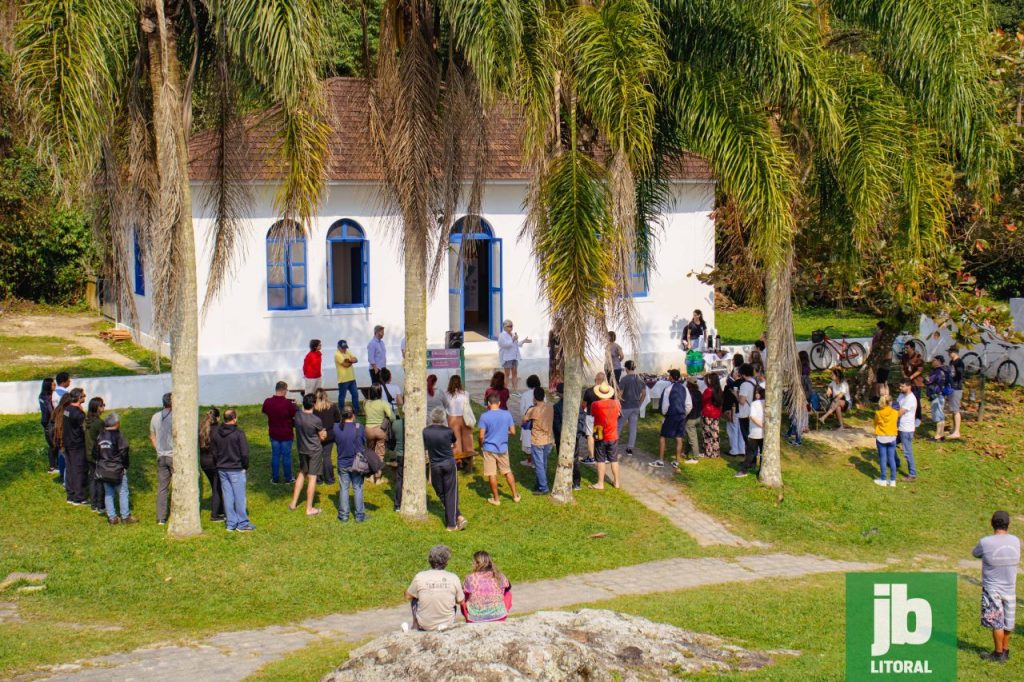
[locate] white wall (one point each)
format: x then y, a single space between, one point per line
239 334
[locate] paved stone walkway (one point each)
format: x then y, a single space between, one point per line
233 656
656 490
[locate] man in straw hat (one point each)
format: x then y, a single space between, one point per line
606 412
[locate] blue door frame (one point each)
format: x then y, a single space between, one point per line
457 285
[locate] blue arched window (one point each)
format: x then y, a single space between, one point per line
286 267
348 266
140 271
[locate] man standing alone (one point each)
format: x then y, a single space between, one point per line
161 437
376 354
907 424
1000 555
606 413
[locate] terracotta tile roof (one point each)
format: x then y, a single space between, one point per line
351 158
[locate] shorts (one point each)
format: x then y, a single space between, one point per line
673 427
998 610
937 404
510 364
311 465
495 464
311 385
953 401
606 451
588 431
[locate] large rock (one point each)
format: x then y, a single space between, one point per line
549 645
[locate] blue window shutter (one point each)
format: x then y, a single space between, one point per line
366 272
140 272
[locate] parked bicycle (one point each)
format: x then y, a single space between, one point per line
1007 371
826 351
906 339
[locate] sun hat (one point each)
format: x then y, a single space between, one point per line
603 391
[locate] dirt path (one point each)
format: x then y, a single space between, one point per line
79 329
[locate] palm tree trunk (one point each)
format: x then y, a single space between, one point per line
165 83
781 347
414 488
561 491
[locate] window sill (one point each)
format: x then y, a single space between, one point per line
329 312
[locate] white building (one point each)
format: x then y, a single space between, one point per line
345 275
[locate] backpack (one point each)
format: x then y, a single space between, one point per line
390 439
947 381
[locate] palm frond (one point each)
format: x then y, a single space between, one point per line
70 64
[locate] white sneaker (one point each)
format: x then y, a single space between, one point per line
881 481
892 484
691 461
405 627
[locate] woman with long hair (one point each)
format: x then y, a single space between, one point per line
46 419
57 431
488 592
460 415
93 428
711 412
330 415
497 387
435 397
211 418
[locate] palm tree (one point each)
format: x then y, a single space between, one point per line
428 128
108 85
915 103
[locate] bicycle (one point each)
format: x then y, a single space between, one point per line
905 339
826 352
1007 371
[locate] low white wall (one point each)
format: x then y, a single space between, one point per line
938 340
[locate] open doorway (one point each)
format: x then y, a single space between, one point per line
474 286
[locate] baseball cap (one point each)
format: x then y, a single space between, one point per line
343 344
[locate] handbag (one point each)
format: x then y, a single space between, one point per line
372 460
360 464
467 414
390 439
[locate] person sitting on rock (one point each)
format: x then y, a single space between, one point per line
435 594
488 592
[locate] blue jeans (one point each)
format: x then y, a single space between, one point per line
280 455
353 392
907 443
350 478
108 498
232 487
62 464
540 465
887 459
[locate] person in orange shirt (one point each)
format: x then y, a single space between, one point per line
886 433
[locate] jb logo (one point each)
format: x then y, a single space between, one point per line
892 618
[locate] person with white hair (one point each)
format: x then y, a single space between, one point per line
435 594
509 354
438 440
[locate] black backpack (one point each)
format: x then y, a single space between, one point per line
109 467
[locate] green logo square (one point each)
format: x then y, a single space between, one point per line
900 626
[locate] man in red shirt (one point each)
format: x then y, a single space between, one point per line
312 368
280 413
606 412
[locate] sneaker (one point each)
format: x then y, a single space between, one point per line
994 657
52 471
219 519
629 451
910 479
740 474
882 482
892 484
658 464
691 461
247 529
675 463
577 487
540 492
405 627
129 519
365 517
527 463
588 460
343 519
113 521
161 523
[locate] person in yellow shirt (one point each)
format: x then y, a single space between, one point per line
343 362
886 433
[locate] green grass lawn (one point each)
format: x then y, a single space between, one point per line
153 588
139 354
831 506
28 358
745 325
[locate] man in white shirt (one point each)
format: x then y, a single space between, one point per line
376 354
745 397
435 594
1000 556
160 436
906 426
